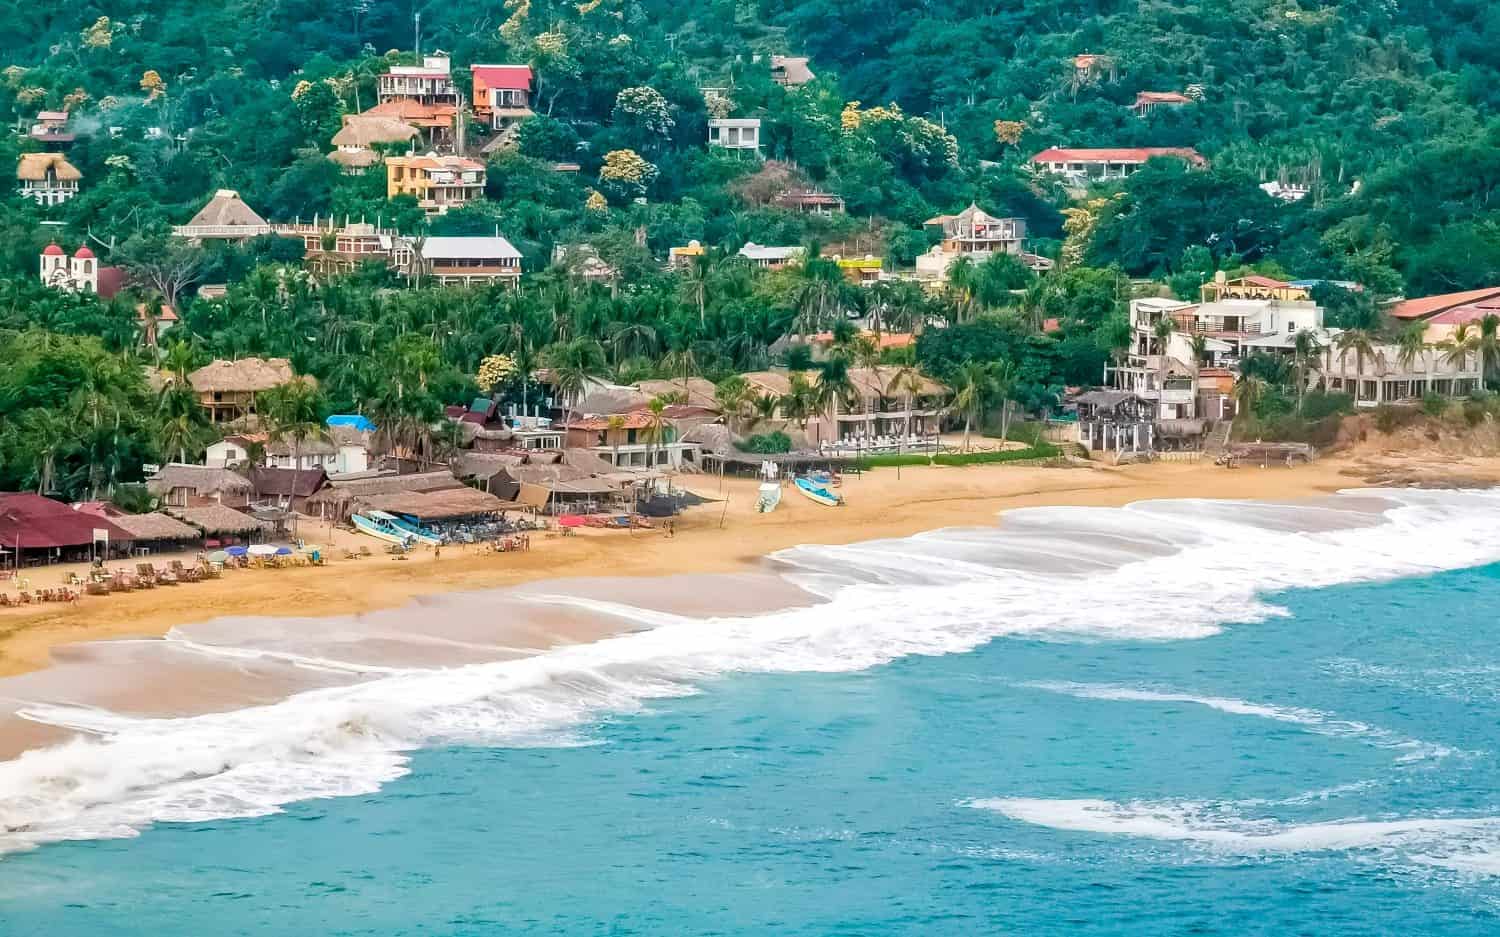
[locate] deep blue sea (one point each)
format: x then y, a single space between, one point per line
1331 767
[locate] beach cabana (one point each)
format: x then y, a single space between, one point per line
182 485
157 531
220 522
438 507
337 500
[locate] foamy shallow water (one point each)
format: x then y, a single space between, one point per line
1097 586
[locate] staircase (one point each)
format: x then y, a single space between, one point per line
1218 439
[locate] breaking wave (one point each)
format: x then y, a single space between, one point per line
1063 574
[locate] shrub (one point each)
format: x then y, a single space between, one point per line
769 443
1434 404
1319 404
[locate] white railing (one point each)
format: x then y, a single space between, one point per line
220 230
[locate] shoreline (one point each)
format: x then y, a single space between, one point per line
715 537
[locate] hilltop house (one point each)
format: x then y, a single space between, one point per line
438 182
227 389
741 134
1080 164
51 129
679 257
583 261
976 234
330 249
791 71
771 258
810 202
354 143
226 217
47 178
1148 101
459 260
502 97
428 83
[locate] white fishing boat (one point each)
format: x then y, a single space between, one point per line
382 529
770 496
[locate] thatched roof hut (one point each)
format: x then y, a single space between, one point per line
247 375
437 505
695 391
34 167
214 519
154 526
365 130
226 209
202 480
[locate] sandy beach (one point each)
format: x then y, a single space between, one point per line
725 535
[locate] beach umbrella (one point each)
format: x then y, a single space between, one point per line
218 556
236 551
283 551
570 520
262 549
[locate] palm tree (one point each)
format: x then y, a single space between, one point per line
961 282
1003 375
655 430
46 435
573 365
833 391
1411 345
1248 391
976 386
1163 330
732 395
1457 347
1304 352
1362 343
616 425
763 409
797 403
696 281
906 381
1488 346
291 415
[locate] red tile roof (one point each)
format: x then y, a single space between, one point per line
635 419
1425 306
1257 280
1138 154
883 341
506 77
52 250
39 522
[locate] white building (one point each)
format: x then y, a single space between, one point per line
78 274
772 258
735 133
49 179
428 83
344 451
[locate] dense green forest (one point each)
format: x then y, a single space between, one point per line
1385 110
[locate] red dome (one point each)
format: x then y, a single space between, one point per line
52 250
84 253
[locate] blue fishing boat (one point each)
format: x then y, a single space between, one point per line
819 493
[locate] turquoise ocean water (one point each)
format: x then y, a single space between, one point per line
1321 759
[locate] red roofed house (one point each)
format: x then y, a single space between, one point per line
1080 163
1425 307
1148 101
502 94
33 525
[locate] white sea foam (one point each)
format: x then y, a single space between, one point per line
1203 562
1468 842
1312 720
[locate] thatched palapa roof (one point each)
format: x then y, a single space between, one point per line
342 491
438 505
154 526
217 519
247 375
226 209
365 130
34 167
204 480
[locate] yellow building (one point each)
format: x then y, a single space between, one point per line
438 182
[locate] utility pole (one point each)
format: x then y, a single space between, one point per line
417 38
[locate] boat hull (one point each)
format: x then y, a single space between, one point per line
821 495
368 527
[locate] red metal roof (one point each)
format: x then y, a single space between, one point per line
505 77
1137 154
36 522
1424 306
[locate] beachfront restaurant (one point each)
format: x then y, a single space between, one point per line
442 511
156 532
35 531
221 526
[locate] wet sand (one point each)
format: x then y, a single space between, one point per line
255 636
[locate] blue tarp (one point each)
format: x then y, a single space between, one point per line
361 423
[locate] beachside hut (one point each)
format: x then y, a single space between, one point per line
554 488
439 508
157 531
181 485
1115 420
287 488
336 501
222 523
36 530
